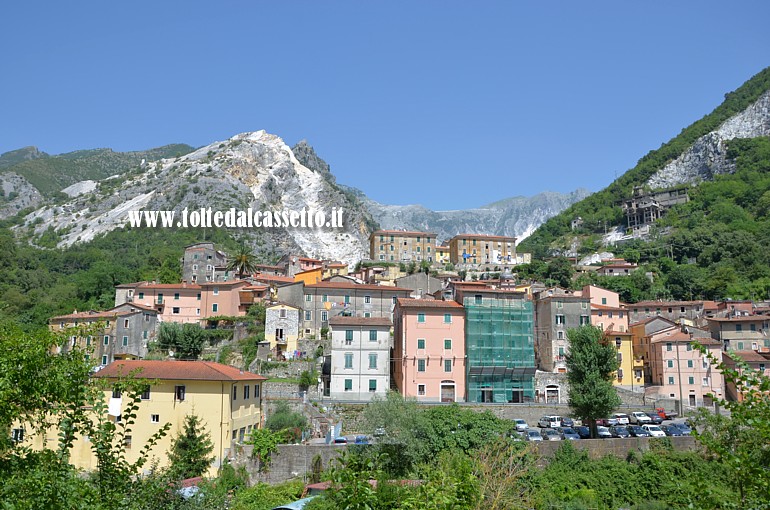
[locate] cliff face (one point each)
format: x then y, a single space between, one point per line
706 157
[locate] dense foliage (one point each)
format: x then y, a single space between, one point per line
190 453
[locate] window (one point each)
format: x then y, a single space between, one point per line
176 296
106 340
197 311
420 317
561 353
689 363
17 435
705 382
347 299
367 299
447 365
246 389
583 305
88 341
604 300
560 335
308 315
215 307
560 319
125 323
600 313
691 380
116 392
670 363
620 357
739 327
447 318
421 389
372 385
146 393
155 418
175 310
740 346
372 335
477 298
348 384
393 299
753 327
216 291
584 319
256 391
348 360
235 392
308 298
448 344
141 295
348 336
282 313
198 296
671 381
125 341
689 346
421 343
669 346
179 393
160 298
372 361
559 304
127 442
324 316
705 364
421 365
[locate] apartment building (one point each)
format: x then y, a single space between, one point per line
429 361
122 332
499 342
402 246
482 249
741 333
202 262
323 300
227 400
282 329
555 314
360 357
674 311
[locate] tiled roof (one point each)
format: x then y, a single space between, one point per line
346 285
341 320
226 284
90 315
605 307
481 236
273 278
177 370
650 319
427 303
665 304
750 356
741 318
403 232
170 286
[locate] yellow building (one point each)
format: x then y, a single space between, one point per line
309 276
282 329
482 249
227 400
402 246
442 255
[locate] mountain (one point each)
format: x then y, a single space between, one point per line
256 170
28 176
515 217
697 154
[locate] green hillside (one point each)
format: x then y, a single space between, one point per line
51 174
603 207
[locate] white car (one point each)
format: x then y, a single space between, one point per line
622 418
521 425
549 422
654 430
640 418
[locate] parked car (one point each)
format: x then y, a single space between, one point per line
666 415
517 436
655 419
379 432
340 440
622 418
618 431
567 433
637 431
607 422
532 435
654 430
521 425
684 427
603 433
550 435
584 432
671 430
362 440
639 418
549 421
566 421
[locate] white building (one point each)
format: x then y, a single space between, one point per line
360 357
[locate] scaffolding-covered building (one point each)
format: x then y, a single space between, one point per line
499 344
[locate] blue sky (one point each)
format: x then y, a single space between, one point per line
447 104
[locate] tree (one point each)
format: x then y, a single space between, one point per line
741 441
185 341
285 420
561 270
591 362
242 262
190 453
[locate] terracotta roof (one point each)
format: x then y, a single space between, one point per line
741 318
361 286
617 333
650 319
135 305
605 307
403 232
177 370
666 304
710 305
482 236
220 284
337 265
256 287
171 286
341 320
273 278
618 266
427 303
90 315
679 336
750 356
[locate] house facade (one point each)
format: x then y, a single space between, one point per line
555 315
477 249
201 262
360 357
402 246
741 333
429 361
282 329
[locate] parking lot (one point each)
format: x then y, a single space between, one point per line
619 425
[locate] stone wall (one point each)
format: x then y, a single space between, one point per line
598 448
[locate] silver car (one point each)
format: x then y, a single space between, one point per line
550 435
532 435
521 425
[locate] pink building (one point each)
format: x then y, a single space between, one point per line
680 371
222 298
429 349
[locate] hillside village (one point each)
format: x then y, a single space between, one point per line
437 322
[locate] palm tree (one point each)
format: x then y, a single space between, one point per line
242 262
